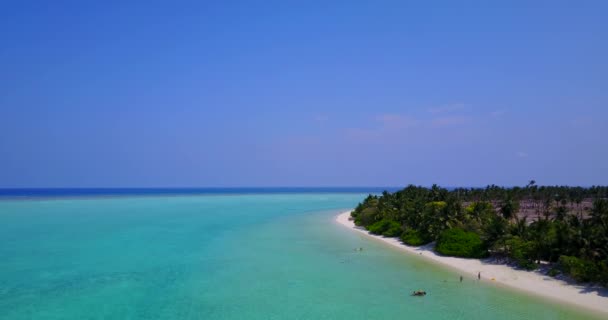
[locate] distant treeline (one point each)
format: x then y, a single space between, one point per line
566 227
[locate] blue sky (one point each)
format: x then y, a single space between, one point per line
345 93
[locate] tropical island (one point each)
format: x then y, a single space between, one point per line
556 231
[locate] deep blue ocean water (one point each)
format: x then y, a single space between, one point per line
108 192
224 255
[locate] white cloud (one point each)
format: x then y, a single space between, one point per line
396 121
449 121
383 125
448 108
521 154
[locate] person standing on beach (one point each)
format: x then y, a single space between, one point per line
460 278
479 276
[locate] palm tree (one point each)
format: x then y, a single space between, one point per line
520 227
598 227
509 208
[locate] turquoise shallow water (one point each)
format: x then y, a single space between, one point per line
271 256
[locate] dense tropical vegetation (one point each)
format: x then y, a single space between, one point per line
563 227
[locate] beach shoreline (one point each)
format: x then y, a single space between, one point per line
533 282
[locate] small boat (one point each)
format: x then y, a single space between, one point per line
419 293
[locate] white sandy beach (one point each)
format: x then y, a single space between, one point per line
528 281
